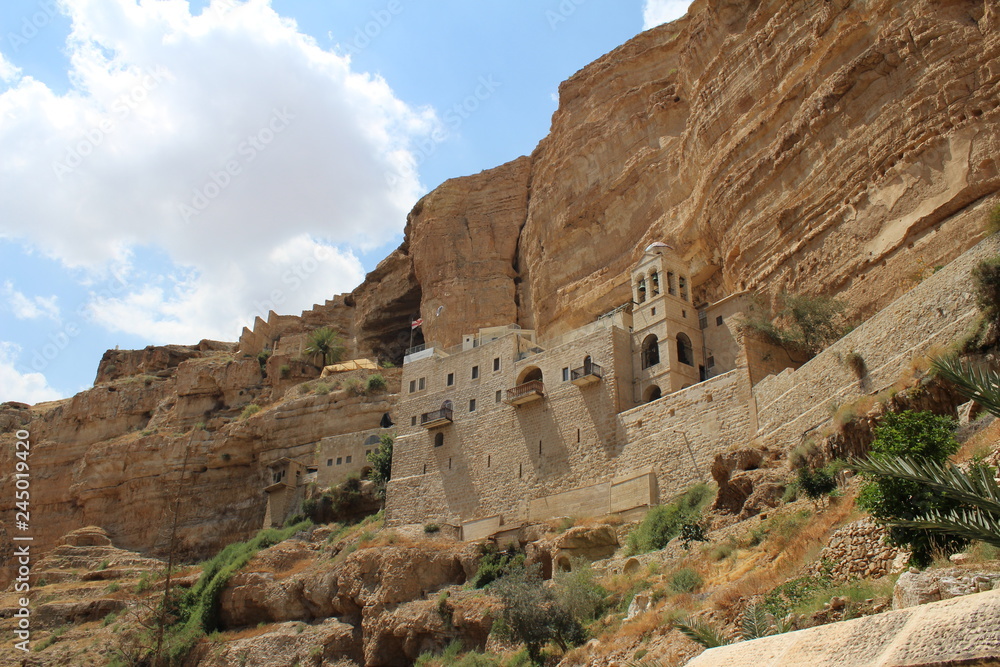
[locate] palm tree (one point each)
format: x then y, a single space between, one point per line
976 489
326 344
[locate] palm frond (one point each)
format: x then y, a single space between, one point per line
976 488
699 631
979 383
961 522
755 623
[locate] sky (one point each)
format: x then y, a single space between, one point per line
171 169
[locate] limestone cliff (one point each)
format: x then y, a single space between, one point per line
817 146
832 146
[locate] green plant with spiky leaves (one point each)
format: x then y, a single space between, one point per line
974 494
897 502
326 344
704 633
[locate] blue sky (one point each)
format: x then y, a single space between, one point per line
169 170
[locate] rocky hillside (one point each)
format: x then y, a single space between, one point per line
820 146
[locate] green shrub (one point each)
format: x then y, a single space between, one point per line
284 371
816 483
262 358
376 383
431 528
321 388
530 613
802 323
381 460
249 411
986 287
354 386
993 220
916 435
198 609
495 564
579 593
664 522
692 532
685 580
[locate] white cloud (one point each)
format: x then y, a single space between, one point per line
655 12
30 308
299 271
8 72
216 139
22 387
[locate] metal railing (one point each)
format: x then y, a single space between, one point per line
585 370
443 413
522 390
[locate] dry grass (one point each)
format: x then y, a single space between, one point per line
981 444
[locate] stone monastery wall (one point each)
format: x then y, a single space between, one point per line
584 450
936 312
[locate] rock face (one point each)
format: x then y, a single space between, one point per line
916 588
378 595
822 146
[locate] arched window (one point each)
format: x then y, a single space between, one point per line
588 365
685 352
650 351
651 394
654 283
641 290
438 439
372 440
682 281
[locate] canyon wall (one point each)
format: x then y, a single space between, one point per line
824 146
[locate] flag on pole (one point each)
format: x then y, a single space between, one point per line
416 323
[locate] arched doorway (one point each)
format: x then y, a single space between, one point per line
652 393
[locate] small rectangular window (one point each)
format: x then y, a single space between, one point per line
472 405
329 462
413 420
339 460
475 372
718 321
489 459
347 460
451 379
422 384
496 364
653 311
565 374
499 396
413 386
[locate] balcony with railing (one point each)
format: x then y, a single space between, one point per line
437 418
586 374
532 390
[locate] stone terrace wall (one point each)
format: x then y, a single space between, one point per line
712 415
935 312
